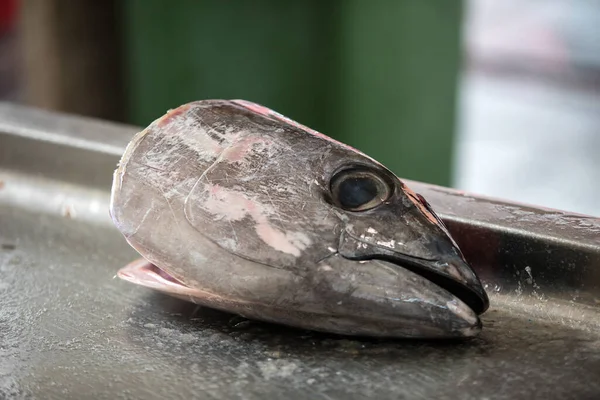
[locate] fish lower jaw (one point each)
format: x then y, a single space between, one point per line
143 273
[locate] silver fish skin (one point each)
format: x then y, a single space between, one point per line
236 207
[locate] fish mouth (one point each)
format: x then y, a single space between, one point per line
146 273
447 268
437 315
472 297
143 272
430 305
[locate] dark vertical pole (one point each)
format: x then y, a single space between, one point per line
72 56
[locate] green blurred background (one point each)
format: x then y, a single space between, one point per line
379 75
493 97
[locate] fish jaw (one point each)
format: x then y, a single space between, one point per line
380 296
450 271
355 298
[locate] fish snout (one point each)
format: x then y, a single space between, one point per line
379 298
433 257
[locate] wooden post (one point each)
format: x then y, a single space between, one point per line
72 57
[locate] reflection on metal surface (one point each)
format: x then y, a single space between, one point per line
69 330
524 249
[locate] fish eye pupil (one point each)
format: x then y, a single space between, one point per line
353 192
359 189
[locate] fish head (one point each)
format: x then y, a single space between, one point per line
237 207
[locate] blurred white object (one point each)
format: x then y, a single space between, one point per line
529 123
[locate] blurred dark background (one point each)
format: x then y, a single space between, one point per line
496 97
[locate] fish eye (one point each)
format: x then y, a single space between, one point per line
359 189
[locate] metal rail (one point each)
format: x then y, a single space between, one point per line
518 247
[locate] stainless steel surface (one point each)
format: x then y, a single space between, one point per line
68 329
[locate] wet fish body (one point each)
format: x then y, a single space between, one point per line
235 207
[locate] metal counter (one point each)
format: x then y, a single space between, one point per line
70 330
